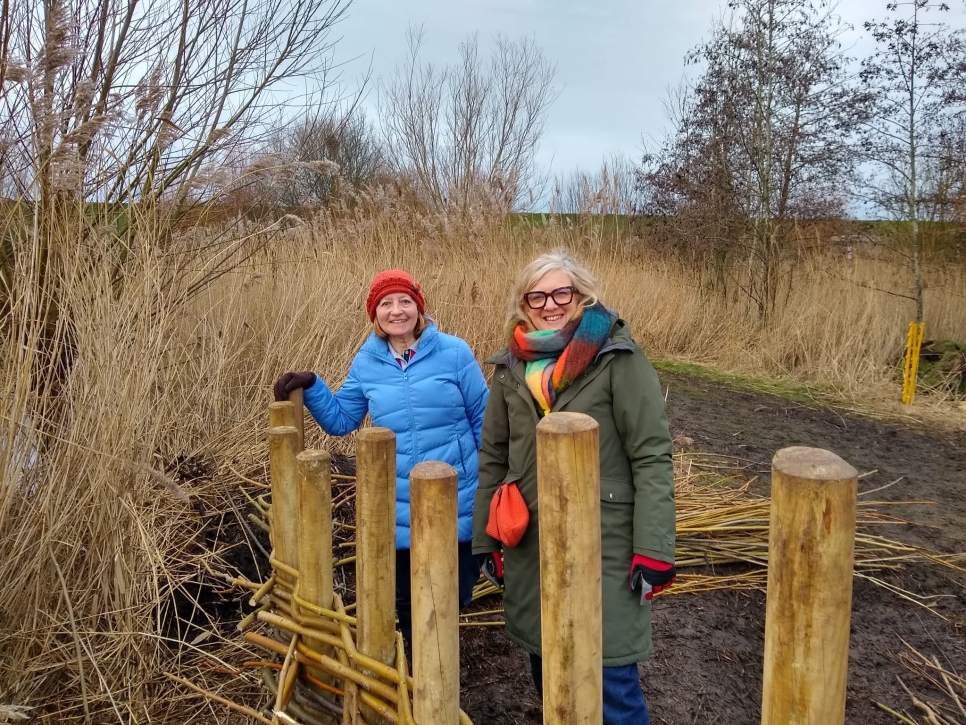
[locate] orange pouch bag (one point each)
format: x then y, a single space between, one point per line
509 515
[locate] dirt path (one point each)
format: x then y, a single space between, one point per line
706 667
926 466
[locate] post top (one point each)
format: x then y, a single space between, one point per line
312 455
432 471
815 464
281 404
283 430
564 423
375 434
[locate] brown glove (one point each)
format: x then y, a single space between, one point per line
292 381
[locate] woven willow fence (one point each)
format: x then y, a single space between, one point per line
348 664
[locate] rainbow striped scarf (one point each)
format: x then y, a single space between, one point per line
555 358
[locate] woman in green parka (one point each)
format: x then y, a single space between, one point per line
567 352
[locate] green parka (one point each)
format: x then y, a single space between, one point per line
620 390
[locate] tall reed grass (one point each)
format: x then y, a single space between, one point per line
100 542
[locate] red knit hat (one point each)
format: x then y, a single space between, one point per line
393 280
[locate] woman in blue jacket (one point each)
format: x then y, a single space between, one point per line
428 389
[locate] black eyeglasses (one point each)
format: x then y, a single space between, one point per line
538 300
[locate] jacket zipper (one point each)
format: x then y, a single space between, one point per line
412 417
409 403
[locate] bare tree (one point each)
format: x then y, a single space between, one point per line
761 139
471 128
115 116
118 115
912 132
123 100
319 158
611 189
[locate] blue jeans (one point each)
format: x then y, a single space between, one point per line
623 697
468 571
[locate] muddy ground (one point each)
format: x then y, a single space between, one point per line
707 661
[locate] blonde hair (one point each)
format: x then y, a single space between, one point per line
581 278
422 322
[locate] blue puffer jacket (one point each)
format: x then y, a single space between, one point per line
435 408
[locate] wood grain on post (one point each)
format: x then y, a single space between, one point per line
315 528
282 449
296 398
568 489
315 539
289 413
281 413
376 543
435 594
811 545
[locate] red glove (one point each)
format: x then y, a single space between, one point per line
492 567
651 576
292 381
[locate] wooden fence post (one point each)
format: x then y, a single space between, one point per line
568 488
314 541
435 594
281 413
376 543
282 449
296 399
315 529
811 545
289 413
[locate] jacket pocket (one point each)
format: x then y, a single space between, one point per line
616 490
462 454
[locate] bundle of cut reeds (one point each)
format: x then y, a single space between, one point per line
722 529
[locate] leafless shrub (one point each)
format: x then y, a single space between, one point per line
321 157
612 189
469 130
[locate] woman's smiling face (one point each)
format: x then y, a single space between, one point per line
552 316
397 315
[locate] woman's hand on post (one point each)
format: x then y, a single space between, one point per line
292 381
650 576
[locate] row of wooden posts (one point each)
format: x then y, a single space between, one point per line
811 540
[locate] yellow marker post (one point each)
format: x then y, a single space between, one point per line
913 345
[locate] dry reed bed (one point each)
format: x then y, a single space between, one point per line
98 542
833 330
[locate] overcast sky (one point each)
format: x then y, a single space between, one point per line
615 59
